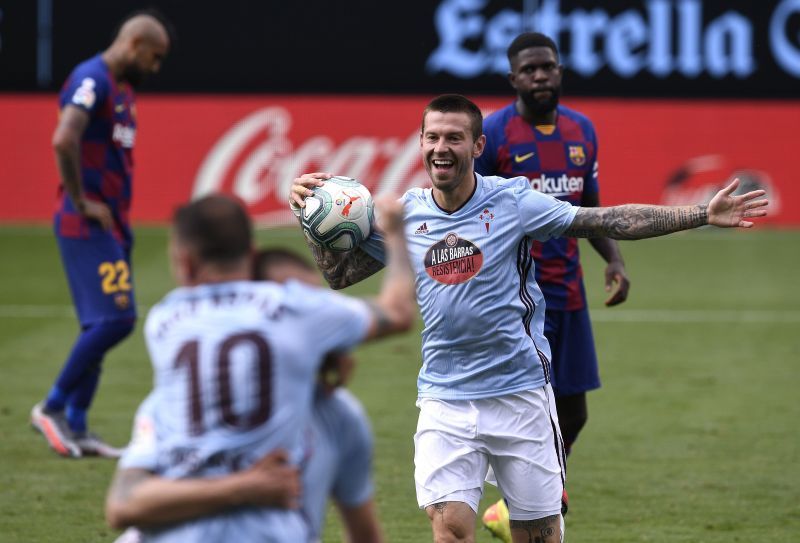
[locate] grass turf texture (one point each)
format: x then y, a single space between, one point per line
692 438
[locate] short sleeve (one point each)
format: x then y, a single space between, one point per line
142 451
340 322
86 88
374 245
543 217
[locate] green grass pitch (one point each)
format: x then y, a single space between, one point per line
693 437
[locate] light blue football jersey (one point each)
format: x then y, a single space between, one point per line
482 309
340 462
235 369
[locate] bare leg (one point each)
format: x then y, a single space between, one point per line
543 530
572 416
452 522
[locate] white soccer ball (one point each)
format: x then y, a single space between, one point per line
339 215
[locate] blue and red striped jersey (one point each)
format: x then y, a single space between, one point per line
559 160
106 147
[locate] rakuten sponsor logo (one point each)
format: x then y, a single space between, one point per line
124 135
662 37
557 186
257 160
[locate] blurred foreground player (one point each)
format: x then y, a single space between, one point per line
93 142
235 364
339 449
340 437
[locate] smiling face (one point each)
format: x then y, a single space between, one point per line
536 76
448 151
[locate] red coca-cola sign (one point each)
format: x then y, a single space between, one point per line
253 146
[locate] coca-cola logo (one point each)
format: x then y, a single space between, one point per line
662 37
257 160
699 178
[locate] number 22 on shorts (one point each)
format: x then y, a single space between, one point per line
115 276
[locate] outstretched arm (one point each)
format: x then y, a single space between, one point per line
639 221
340 269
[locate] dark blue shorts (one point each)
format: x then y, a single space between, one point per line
100 278
574 363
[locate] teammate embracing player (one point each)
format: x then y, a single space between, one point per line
556 149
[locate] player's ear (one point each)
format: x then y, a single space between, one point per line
182 262
479 146
188 266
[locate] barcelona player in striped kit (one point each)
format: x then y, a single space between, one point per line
93 142
556 149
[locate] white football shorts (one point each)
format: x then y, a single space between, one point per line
517 435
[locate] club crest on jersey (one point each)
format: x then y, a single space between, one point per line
486 216
577 155
453 260
122 301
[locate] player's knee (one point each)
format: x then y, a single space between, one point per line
124 328
112 332
449 526
547 530
452 533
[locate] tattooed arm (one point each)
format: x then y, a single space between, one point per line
639 221
339 269
635 221
344 269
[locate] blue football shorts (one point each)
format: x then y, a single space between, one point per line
100 277
574 361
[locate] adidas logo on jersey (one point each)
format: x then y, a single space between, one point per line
423 229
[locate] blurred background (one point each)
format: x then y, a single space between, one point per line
683 93
692 437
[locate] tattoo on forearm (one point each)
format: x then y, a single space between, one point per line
344 269
543 530
635 221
